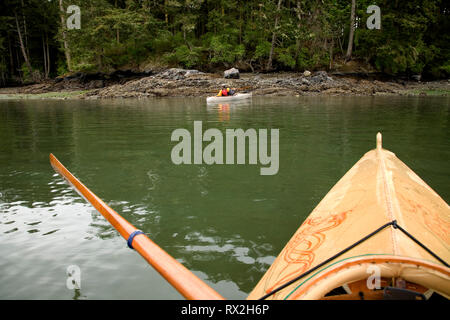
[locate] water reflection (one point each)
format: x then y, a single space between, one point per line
224 110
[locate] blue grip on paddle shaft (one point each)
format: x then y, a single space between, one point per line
131 237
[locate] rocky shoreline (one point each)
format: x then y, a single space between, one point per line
192 83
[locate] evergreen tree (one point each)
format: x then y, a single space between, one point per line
255 35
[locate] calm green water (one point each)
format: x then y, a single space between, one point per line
227 223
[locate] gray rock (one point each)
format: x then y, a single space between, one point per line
171 73
192 72
416 77
306 81
307 73
316 79
95 84
319 77
232 73
177 73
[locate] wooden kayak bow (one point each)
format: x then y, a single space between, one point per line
380 215
183 280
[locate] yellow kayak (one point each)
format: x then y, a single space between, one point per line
380 233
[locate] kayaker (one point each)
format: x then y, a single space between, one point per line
226 92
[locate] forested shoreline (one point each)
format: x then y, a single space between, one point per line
254 36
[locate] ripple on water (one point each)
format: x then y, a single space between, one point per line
209 248
252 215
33 223
50 232
11 230
38 204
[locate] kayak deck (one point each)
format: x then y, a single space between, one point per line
377 190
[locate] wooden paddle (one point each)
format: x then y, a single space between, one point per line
183 280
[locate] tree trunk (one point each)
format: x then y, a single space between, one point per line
18 66
48 56
3 71
274 37
166 14
11 59
25 33
331 54
348 56
299 24
100 52
45 57
64 36
22 46
341 46
240 25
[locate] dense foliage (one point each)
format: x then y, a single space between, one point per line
255 35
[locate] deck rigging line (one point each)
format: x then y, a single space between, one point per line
393 223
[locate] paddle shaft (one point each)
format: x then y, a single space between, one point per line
183 280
